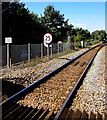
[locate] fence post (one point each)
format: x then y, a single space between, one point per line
41 50
63 47
51 51
58 47
28 51
7 55
48 51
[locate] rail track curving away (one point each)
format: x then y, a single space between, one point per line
49 96
18 78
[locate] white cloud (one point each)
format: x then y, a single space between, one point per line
91 28
78 24
82 25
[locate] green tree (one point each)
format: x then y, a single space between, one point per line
56 23
77 35
98 35
24 27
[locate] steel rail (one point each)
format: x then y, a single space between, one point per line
72 94
28 89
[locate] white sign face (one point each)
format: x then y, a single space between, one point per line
8 39
47 45
47 38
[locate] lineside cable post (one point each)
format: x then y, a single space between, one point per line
29 51
8 56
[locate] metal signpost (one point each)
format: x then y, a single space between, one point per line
47 42
8 40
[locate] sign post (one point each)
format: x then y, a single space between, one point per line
8 40
48 51
47 42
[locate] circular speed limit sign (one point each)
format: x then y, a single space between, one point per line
47 45
47 38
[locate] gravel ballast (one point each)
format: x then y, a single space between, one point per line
31 74
92 94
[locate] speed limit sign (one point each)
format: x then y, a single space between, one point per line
47 38
47 45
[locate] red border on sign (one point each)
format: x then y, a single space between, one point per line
51 36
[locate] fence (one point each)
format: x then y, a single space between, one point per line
20 53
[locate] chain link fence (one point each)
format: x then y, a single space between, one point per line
21 53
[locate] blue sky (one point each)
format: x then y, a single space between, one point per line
88 15
63 0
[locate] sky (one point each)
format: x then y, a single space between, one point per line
88 15
64 0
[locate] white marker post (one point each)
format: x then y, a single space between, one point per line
47 41
82 44
28 51
8 40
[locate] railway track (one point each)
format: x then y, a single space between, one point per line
49 97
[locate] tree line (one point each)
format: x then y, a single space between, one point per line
26 27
